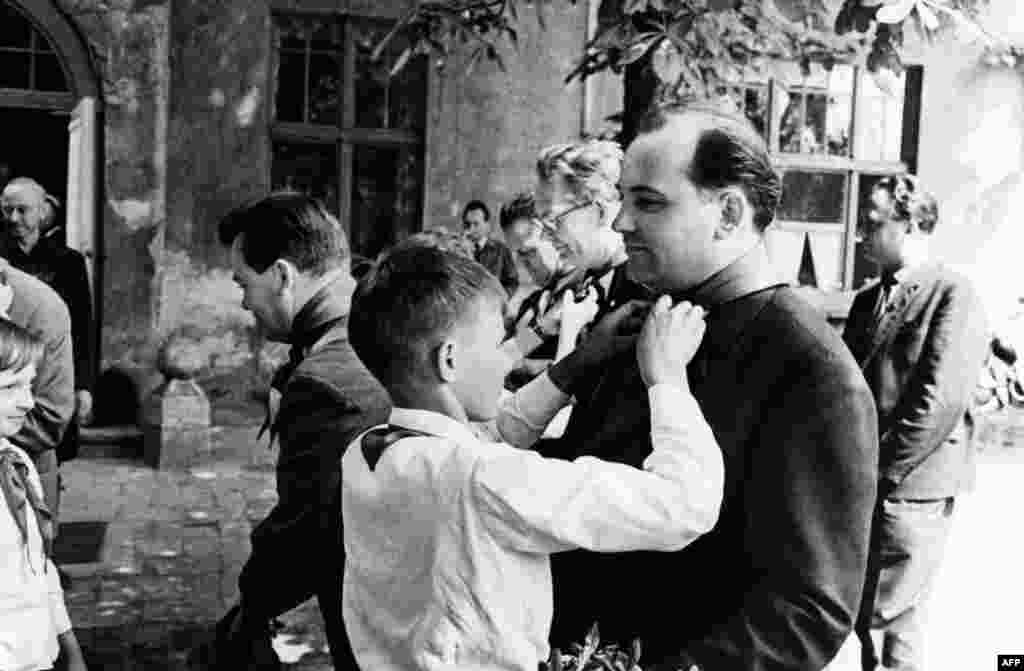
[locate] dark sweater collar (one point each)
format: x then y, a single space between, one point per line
748 274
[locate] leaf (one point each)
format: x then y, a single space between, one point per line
400 62
895 12
634 6
590 644
637 50
928 17
871 3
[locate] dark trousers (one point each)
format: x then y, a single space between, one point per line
329 600
908 541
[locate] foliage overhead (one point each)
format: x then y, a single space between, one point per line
696 46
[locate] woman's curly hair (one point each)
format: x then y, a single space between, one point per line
591 168
910 201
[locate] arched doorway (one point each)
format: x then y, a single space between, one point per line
49 97
49 114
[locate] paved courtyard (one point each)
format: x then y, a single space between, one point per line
175 542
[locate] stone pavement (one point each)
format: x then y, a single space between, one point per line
174 546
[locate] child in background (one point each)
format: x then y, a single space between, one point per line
447 538
35 632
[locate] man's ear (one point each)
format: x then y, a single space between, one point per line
446 361
733 207
287 275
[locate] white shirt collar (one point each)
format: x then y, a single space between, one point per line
433 423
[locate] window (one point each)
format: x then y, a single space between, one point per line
345 131
832 134
27 61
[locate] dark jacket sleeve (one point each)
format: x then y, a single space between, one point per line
54 384
300 539
73 279
810 491
939 390
509 277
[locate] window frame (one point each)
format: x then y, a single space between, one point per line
345 136
852 167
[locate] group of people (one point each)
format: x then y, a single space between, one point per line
45 393
739 485
736 483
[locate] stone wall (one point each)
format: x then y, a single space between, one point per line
185 88
485 131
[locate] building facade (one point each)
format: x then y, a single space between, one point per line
151 119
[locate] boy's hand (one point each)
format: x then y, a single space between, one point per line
670 338
616 332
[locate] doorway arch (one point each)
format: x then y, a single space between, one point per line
37 37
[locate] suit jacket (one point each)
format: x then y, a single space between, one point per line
922 363
64 270
496 257
328 398
39 309
777 583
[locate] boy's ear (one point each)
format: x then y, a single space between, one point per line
446 361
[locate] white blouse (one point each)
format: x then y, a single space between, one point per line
32 612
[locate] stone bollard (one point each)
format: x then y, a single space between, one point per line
176 415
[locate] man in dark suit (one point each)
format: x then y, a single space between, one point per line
919 334
291 259
777 583
492 254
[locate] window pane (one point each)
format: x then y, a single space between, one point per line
324 89
325 35
292 32
751 100
14 69
308 168
49 73
816 111
371 77
880 119
813 197
290 100
808 256
15 30
407 97
387 187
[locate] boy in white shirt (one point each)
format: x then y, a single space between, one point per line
35 632
447 538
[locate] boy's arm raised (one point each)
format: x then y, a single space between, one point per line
541 505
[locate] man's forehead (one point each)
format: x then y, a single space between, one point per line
664 154
22 192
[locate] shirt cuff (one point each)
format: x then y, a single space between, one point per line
670 404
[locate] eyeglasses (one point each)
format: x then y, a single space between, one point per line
554 222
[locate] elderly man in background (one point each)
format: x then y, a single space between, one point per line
34 243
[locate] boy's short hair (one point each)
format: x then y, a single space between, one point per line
287 225
406 305
522 206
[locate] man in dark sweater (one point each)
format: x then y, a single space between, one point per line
291 259
777 583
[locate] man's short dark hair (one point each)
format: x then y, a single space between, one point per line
405 306
910 201
522 206
477 205
290 226
729 152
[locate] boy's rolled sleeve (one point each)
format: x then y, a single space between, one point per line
523 416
